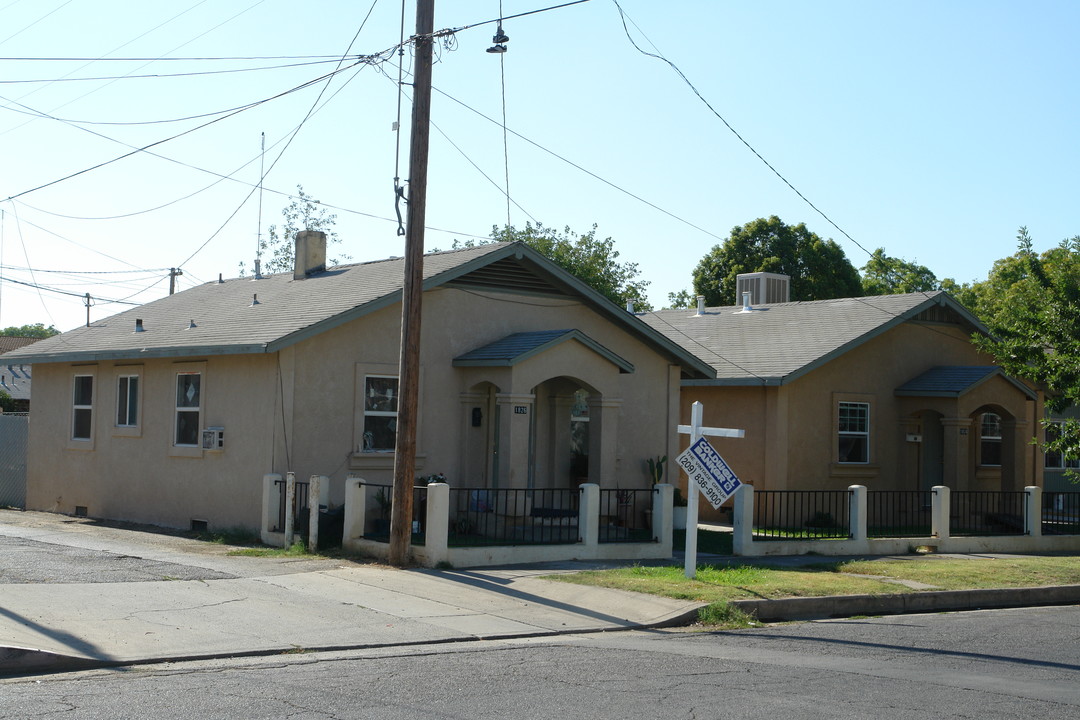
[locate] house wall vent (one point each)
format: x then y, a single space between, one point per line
764 288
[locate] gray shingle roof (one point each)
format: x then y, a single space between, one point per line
224 320
953 381
517 347
776 343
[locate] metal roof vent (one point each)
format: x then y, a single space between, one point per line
139 326
220 280
191 324
746 306
255 301
629 306
700 306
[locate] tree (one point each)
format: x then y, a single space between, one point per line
587 258
884 275
680 300
1031 303
303 213
818 268
37 330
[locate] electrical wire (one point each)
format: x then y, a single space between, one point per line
163 75
776 172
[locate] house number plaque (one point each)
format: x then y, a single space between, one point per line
521 409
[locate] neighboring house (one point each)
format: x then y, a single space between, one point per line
1056 477
15 379
884 391
173 412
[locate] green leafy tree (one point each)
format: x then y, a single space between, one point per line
679 300
37 330
884 275
7 404
588 258
303 213
818 268
1031 303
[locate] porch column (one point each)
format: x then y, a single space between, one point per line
1014 446
515 415
957 451
603 440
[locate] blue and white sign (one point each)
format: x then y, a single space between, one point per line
706 469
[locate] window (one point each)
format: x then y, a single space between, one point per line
380 413
188 405
990 439
1055 460
854 432
83 408
127 401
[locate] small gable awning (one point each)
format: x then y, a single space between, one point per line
518 347
955 380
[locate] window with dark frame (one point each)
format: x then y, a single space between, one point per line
380 413
127 401
853 432
188 408
82 408
1053 460
990 440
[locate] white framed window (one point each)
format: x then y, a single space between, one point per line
990 439
853 432
1056 460
188 409
82 408
380 413
127 401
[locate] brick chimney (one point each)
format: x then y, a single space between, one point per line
310 256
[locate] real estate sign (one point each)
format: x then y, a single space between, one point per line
706 469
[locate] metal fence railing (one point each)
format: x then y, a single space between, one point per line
494 516
626 516
801 514
1061 513
299 509
982 512
898 513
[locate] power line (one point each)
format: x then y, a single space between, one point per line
162 75
776 172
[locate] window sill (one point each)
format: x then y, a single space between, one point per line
184 451
379 461
854 470
127 431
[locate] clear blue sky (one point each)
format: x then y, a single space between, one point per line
932 129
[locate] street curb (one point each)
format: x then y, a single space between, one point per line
16 662
816 608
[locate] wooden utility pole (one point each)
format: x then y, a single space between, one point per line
173 272
412 290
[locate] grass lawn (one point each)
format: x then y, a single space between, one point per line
717 584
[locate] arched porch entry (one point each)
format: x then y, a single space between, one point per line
969 428
548 411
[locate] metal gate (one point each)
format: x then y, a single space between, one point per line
13 427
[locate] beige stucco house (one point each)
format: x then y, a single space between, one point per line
886 392
172 413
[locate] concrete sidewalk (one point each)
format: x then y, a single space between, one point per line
233 606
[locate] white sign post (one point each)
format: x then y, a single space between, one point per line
696 432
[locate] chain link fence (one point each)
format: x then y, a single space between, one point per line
13 427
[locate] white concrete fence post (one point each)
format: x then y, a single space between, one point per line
939 513
437 523
1033 511
742 519
857 512
355 509
271 507
290 503
589 514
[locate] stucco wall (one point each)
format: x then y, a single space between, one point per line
134 474
299 410
791 440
